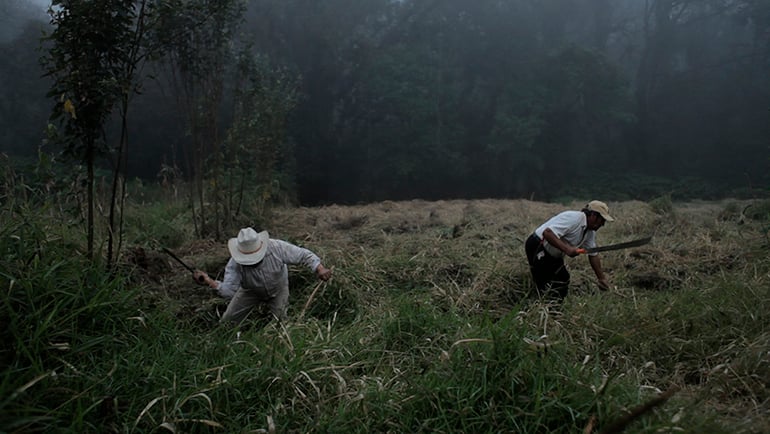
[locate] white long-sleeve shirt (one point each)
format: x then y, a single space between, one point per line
270 273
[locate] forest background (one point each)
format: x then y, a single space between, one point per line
357 101
126 115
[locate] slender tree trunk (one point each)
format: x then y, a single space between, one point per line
90 197
117 180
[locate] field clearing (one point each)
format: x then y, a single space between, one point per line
466 259
468 250
428 325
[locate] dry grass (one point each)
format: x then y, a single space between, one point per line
656 326
470 255
464 248
427 326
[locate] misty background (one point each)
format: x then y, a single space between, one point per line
382 99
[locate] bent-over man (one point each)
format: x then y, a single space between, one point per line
563 234
257 272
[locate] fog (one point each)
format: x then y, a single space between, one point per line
15 14
375 99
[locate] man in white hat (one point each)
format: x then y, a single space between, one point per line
563 234
257 272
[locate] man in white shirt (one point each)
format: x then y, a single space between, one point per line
563 234
257 272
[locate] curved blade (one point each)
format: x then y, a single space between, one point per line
619 246
170 253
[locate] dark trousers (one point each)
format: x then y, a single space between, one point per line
550 274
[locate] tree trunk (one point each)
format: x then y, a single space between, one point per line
90 197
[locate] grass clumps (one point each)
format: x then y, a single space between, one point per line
662 205
428 325
63 320
157 224
758 210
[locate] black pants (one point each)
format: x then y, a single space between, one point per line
550 274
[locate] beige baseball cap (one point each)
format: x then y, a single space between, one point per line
601 208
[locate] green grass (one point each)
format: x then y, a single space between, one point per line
417 332
156 224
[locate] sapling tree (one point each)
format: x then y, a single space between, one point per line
197 38
92 59
255 142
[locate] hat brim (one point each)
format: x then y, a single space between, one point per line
249 258
606 216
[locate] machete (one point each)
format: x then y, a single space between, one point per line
192 270
635 243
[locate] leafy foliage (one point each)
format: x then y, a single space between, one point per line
85 61
256 157
195 40
440 99
90 47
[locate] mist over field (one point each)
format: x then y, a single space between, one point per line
382 100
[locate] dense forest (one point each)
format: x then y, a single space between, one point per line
345 101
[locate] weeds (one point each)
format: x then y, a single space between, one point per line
422 328
59 314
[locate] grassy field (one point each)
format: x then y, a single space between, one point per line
428 325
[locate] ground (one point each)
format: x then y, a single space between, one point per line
468 252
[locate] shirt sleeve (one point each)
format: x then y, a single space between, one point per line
294 255
560 224
232 280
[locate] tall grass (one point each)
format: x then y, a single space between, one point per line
424 328
60 313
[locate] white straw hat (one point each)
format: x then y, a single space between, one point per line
249 247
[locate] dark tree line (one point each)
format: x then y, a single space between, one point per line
447 98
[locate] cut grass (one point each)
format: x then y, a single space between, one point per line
427 326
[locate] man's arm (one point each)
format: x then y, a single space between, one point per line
557 242
295 255
596 264
227 287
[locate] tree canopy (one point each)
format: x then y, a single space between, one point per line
447 98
